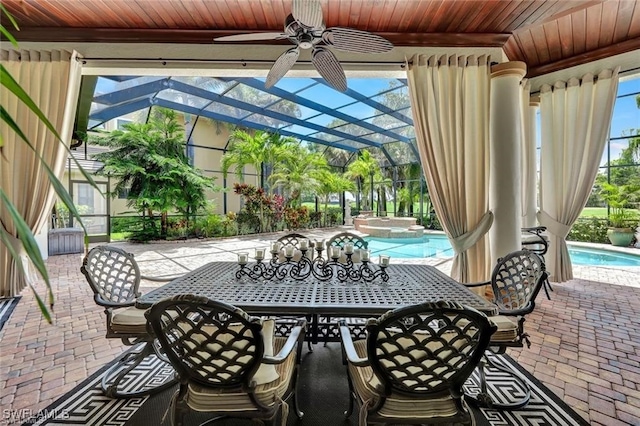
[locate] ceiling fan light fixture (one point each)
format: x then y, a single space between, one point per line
305 28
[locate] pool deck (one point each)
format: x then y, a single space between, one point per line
585 340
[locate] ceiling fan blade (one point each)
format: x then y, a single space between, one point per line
252 37
282 65
329 68
356 41
307 12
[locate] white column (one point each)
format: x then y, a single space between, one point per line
529 164
505 180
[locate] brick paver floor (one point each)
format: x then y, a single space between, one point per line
585 341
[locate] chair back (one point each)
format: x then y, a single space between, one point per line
536 241
340 240
516 281
292 240
208 342
430 348
113 275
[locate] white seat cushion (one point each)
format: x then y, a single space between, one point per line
507 329
129 320
129 316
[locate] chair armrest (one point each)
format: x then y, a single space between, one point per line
479 284
534 229
289 345
526 309
348 348
109 304
159 279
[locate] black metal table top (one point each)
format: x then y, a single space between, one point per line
407 285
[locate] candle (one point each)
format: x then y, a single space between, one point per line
384 260
304 244
319 244
243 258
364 255
275 247
259 253
288 251
335 252
348 248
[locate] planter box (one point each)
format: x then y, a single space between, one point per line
66 241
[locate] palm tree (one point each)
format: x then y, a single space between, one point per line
299 171
149 160
364 168
332 183
261 150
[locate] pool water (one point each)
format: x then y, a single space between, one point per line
438 246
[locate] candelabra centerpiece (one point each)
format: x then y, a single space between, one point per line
308 264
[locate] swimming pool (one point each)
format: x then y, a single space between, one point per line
438 246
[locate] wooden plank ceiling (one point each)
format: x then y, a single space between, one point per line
547 35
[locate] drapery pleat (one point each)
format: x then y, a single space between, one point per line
575 120
450 105
52 80
528 161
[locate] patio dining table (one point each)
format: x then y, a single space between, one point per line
407 285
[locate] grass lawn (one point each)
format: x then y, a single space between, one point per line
599 212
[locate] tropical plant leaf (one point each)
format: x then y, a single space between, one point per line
10 83
61 191
6 117
30 246
4 237
6 32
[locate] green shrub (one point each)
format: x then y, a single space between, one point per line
248 223
296 217
315 219
126 224
334 216
590 230
209 226
149 230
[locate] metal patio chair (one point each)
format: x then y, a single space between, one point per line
535 240
515 282
114 277
229 364
411 367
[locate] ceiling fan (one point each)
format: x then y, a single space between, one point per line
305 28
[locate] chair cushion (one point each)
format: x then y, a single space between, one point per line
267 373
200 398
130 320
507 329
366 385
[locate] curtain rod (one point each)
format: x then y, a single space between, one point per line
165 61
595 77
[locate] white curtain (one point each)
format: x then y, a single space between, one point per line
528 162
575 120
450 105
52 80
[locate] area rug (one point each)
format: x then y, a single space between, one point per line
6 308
323 396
